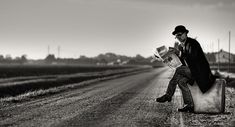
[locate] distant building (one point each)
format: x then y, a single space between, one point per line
223 57
124 62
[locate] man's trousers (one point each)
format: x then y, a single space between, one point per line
181 77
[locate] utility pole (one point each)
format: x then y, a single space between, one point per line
58 51
229 51
48 50
218 56
212 47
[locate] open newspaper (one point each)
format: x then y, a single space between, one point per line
168 57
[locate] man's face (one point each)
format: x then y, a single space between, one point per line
181 36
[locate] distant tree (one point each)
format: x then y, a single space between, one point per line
23 59
100 56
132 61
82 57
50 58
103 61
17 59
109 57
8 57
139 58
1 58
233 58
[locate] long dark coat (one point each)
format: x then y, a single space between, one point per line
198 64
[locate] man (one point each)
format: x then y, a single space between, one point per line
195 68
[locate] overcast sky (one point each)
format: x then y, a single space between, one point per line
125 27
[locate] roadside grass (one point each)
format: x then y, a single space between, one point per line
231 82
66 85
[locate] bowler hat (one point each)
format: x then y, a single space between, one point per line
180 28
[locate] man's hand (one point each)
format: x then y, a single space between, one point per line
156 57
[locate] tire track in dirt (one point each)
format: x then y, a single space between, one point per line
95 115
142 110
99 113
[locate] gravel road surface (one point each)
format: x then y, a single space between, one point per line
126 101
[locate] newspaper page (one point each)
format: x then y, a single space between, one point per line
168 57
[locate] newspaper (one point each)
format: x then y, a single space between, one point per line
168 57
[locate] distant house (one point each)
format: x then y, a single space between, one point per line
124 62
223 57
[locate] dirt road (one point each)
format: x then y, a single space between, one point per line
126 101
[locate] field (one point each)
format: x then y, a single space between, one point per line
34 80
223 67
123 101
16 80
8 71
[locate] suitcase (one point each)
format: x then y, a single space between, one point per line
213 101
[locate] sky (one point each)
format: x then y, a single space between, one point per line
124 27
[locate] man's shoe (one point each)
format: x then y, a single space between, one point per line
163 99
186 108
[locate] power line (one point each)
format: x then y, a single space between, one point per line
218 55
229 34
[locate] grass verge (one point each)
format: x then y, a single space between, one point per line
50 91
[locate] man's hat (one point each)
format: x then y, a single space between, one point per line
180 28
